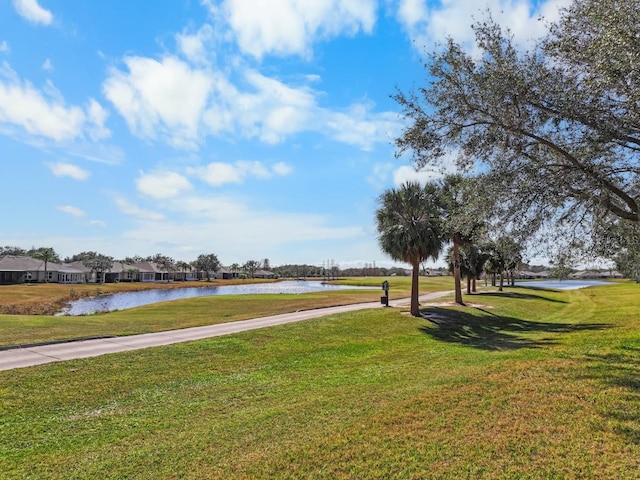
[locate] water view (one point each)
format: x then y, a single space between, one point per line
125 300
562 284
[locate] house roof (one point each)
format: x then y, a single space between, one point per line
263 272
148 267
11 263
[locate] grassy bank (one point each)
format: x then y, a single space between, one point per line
530 384
25 329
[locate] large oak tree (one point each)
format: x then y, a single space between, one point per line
555 127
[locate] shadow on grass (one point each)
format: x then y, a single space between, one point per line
493 332
518 296
621 370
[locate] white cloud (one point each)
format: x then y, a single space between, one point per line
223 224
33 12
282 169
360 127
21 104
160 98
271 111
429 22
98 223
71 210
218 173
68 170
427 174
44 113
133 210
194 47
47 65
4 47
97 117
380 174
155 103
161 185
290 27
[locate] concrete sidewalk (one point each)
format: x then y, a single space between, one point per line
38 355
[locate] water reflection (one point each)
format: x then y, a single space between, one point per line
125 300
562 284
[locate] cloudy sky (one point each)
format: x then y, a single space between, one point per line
246 128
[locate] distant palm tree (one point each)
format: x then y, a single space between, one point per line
410 228
234 270
46 254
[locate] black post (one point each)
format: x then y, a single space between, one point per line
385 300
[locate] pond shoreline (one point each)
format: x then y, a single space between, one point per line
126 300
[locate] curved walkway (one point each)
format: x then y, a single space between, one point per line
37 355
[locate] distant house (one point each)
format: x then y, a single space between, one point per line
263 274
597 274
15 269
526 274
225 273
151 272
185 276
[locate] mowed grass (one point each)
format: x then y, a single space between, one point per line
27 329
529 384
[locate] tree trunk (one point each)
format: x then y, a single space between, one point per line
468 284
415 306
493 279
456 272
501 282
473 285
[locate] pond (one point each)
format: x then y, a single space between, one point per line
562 284
125 300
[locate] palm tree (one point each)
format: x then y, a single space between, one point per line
410 229
234 270
46 254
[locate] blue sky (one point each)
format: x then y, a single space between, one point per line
250 129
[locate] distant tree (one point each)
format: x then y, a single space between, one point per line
80 257
97 263
235 269
495 265
134 259
561 266
472 260
168 264
46 254
183 267
463 219
266 265
512 254
410 228
250 267
15 251
208 263
624 249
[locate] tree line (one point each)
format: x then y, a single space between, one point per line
547 139
205 264
98 263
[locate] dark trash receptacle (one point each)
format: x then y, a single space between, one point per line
384 301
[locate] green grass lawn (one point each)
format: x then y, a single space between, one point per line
530 384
